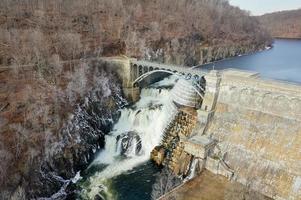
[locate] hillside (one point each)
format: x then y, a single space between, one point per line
41 103
184 32
285 24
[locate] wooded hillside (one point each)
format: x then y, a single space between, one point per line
37 31
285 24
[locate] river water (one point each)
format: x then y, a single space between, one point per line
282 62
122 171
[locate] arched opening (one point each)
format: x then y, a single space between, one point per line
140 72
188 76
135 71
145 69
196 78
151 77
135 84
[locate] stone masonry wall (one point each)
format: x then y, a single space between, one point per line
257 124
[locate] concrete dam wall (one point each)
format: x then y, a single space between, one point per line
257 126
248 129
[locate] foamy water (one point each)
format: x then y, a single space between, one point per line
148 118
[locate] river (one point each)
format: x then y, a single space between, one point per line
282 62
122 171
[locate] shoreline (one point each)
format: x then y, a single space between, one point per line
266 48
287 38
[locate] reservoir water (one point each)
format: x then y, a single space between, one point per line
282 62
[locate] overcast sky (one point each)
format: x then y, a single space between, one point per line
259 7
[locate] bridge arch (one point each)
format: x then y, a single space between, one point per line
135 70
140 70
150 72
197 87
196 77
145 69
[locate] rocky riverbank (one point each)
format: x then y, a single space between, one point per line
196 52
64 127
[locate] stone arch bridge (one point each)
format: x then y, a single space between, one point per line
134 71
139 70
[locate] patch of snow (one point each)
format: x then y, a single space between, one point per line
76 178
297 184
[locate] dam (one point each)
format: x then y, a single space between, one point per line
244 128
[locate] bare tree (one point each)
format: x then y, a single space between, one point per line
165 182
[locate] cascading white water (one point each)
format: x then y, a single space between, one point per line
142 126
192 170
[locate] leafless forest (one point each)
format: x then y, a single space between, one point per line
39 31
285 24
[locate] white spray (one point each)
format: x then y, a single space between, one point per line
147 118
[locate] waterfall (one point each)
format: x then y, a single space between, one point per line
192 169
138 130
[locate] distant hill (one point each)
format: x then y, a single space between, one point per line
284 24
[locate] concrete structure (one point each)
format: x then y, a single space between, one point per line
133 71
256 126
141 69
198 146
185 93
255 123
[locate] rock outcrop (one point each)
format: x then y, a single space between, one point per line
129 144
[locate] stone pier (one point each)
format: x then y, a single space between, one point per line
122 66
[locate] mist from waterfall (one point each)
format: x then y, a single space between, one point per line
138 130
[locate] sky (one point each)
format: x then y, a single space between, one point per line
260 7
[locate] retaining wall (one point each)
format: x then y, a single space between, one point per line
258 125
